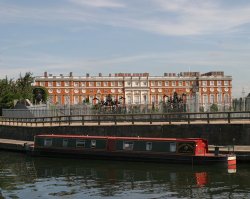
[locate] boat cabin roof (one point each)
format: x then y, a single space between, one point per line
120 138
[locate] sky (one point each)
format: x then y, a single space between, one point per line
130 36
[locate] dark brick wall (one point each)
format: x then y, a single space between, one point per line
220 134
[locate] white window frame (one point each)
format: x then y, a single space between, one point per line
80 143
47 142
65 142
93 143
149 146
172 147
128 145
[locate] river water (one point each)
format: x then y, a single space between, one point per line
22 176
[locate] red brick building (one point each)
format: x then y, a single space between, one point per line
138 88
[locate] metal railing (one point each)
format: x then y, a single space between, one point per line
115 119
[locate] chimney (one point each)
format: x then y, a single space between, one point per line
70 74
45 74
100 74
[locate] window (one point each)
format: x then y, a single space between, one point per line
153 98
226 98
98 84
173 83
136 83
76 84
129 99
172 147
93 143
136 99
112 83
41 83
105 83
50 90
58 83
180 83
166 83
83 84
218 83
159 83
187 83
128 83
128 145
66 83
211 99
211 83
91 83
66 100
119 83
149 146
50 83
65 143
225 83
219 98
205 99
204 83
80 143
48 142
152 83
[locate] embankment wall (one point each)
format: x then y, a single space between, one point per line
217 134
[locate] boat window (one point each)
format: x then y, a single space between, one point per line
128 145
149 146
93 143
65 142
80 143
173 147
48 142
186 148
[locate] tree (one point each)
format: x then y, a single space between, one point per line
20 89
214 108
24 86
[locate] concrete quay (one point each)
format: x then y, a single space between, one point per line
14 145
242 152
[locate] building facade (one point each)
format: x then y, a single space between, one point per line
138 88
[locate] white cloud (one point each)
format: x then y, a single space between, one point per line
99 3
166 17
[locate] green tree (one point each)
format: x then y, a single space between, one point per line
20 89
24 86
214 108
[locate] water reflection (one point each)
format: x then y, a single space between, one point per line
22 176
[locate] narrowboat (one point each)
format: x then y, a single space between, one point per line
172 150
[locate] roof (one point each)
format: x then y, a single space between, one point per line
118 138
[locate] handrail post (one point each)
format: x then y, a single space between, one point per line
115 119
188 118
83 120
69 118
99 122
133 119
208 118
60 119
150 118
169 116
228 118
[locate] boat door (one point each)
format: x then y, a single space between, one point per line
111 145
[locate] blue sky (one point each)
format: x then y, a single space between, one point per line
109 36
